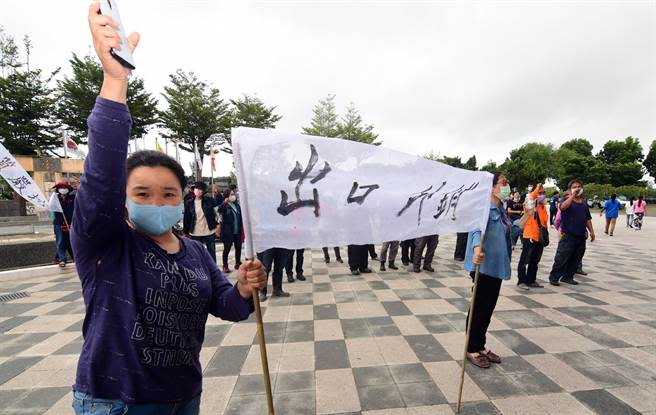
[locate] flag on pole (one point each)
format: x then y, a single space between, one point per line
53 204
299 191
199 162
71 147
19 180
213 158
159 148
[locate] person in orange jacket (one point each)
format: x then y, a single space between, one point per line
532 246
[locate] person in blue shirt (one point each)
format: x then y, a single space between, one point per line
612 207
493 256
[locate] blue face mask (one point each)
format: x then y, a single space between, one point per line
154 220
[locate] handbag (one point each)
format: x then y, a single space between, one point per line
543 232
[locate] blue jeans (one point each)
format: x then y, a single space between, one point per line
63 243
85 404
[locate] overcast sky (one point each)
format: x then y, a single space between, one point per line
457 78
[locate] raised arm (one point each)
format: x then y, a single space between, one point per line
100 203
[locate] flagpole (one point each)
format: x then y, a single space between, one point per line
469 324
250 254
212 167
68 177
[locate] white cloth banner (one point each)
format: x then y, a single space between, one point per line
19 180
54 204
300 191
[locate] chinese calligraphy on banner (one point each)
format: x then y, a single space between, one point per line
19 180
303 191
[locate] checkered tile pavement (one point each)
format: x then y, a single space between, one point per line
386 342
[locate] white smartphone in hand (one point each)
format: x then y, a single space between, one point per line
124 56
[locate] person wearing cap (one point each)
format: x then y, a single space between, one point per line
199 221
61 221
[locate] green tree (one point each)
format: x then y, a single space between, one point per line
650 160
76 96
490 167
352 128
453 161
324 122
27 122
470 164
580 146
196 115
531 163
570 164
623 161
249 111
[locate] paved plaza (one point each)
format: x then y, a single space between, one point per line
386 342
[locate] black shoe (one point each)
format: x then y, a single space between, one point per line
569 281
429 269
366 271
300 277
290 278
374 258
382 266
355 272
581 272
279 293
405 263
339 260
327 259
392 266
554 283
459 259
416 269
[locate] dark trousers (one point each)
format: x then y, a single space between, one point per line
552 216
569 254
358 257
407 250
209 242
62 243
276 258
393 248
372 251
527 270
289 267
236 241
487 294
430 243
327 255
461 245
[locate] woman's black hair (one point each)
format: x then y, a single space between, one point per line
152 158
495 179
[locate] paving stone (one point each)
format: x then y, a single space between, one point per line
602 402
379 397
427 348
330 354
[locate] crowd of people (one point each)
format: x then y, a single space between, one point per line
149 288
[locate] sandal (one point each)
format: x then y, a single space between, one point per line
491 356
481 360
536 285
